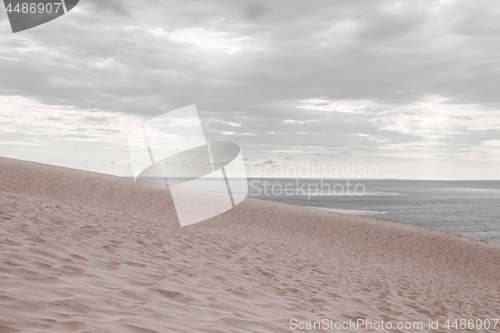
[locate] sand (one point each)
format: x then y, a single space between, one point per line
86 252
351 211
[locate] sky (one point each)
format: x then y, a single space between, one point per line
406 88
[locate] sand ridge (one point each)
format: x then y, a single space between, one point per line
86 252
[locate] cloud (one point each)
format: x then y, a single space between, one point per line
323 76
255 9
20 115
224 122
110 7
22 143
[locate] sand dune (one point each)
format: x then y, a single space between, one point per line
86 252
350 211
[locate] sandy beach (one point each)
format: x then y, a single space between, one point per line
350 211
87 252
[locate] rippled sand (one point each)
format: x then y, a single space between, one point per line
86 252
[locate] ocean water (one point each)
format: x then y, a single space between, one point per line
470 208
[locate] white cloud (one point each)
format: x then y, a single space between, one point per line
224 122
298 122
439 117
347 106
22 143
21 115
492 143
205 39
413 145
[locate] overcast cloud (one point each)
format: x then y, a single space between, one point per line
391 83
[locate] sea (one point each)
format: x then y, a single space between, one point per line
470 208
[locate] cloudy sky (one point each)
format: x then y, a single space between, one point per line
410 87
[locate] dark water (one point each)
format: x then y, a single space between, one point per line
469 208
